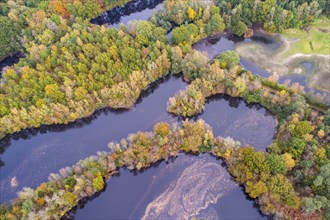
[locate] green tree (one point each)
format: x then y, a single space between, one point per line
180 34
282 189
80 93
230 58
256 189
315 204
276 163
216 24
323 180
296 147
184 33
9 37
144 31
239 28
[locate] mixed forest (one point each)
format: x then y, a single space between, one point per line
72 68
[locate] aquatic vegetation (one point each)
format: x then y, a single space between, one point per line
200 184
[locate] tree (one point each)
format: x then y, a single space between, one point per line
239 28
289 161
9 37
53 91
327 117
162 129
80 93
301 128
315 204
216 24
176 59
180 34
282 189
276 163
191 13
296 147
193 65
256 189
323 179
98 182
230 58
144 31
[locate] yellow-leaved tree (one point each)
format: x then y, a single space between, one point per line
191 13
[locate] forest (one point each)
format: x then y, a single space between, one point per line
72 68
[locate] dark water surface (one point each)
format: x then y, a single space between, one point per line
187 186
31 158
134 10
31 155
222 42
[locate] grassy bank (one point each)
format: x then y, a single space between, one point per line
313 40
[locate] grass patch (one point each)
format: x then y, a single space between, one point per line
314 40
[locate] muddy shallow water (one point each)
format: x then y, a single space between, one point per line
261 53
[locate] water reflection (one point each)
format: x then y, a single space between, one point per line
50 148
188 186
58 146
299 71
133 10
233 117
217 44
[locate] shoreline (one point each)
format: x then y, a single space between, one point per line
276 63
